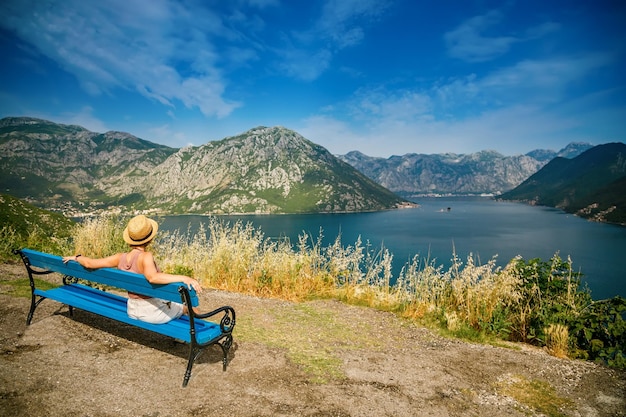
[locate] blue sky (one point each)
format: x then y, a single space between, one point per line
382 77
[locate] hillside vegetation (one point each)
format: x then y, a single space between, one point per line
24 225
591 185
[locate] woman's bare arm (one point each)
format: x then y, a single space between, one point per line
147 264
95 263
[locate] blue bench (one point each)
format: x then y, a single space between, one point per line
191 329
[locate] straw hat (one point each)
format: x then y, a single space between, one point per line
140 230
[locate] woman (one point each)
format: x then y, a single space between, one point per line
138 234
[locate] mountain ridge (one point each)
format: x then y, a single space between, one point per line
483 172
263 170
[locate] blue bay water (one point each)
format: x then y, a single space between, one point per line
479 226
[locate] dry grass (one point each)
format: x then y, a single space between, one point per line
470 294
99 237
237 257
557 340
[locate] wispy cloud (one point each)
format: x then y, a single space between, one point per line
528 82
307 52
342 21
541 81
470 41
84 117
513 105
181 53
302 64
157 48
380 103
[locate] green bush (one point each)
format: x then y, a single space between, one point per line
600 332
552 293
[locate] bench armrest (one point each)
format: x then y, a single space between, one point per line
228 319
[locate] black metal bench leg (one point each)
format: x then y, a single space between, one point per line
194 352
225 349
33 306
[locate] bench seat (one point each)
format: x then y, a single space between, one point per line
113 306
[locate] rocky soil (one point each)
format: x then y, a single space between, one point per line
379 365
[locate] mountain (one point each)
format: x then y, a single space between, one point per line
591 185
51 163
570 151
485 172
268 170
265 170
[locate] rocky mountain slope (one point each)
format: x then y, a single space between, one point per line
53 163
265 170
485 172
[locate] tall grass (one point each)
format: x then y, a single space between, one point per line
238 257
557 340
530 301
464 298
37 238
99 237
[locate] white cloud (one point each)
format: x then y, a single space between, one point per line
468 43
512 130
340 19
303 64
158 47
336 136
397 105
167 134
84 118
541 81
261 4
511 109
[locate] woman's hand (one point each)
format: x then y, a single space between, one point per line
66 259
193 283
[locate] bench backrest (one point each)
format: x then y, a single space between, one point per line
128 281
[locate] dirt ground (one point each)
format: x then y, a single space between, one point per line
86 365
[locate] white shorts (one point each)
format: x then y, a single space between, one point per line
153 310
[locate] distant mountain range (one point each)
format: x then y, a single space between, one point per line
591 185
485 172
265 170
275 170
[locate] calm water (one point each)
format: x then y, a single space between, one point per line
479 226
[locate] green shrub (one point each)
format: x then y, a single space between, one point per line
550 293
600 332
553 294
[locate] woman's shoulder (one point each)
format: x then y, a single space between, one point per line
146 258
146 255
